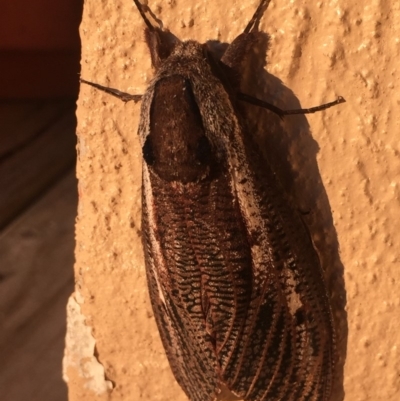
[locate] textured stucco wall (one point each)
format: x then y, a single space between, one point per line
342 165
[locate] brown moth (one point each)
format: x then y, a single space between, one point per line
235 282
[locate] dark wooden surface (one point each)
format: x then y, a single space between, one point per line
37 146
38 208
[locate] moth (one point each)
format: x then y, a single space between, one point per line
235 283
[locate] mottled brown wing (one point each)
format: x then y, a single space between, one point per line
191 360
286 347
199 272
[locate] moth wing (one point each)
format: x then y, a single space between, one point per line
193 370
286 350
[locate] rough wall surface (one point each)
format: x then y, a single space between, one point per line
342 165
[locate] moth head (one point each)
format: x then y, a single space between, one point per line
161 44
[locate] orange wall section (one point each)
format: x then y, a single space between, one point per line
344 167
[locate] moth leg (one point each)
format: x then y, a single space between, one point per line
260 103
236 55
125 97
252 26
143 8
160 41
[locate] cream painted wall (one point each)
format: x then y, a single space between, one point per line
342 165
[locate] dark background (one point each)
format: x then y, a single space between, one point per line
39 48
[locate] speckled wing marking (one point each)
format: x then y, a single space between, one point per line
174 299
